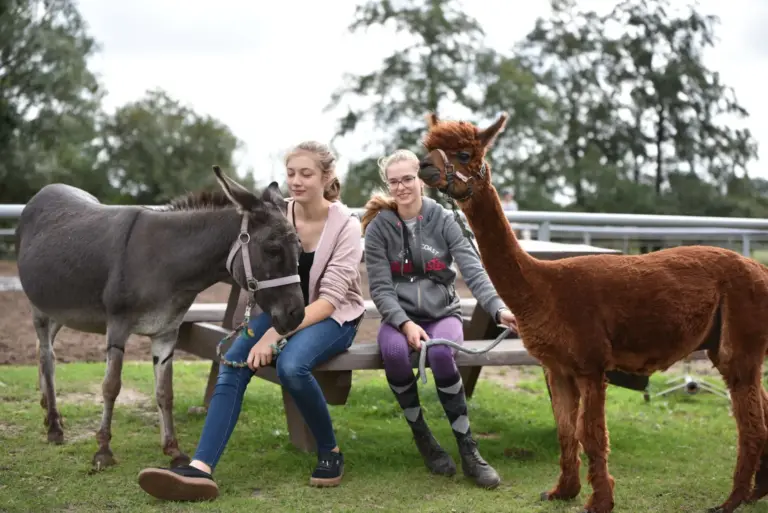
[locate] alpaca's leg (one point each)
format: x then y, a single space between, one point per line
565 403
747 398
592 432
760 488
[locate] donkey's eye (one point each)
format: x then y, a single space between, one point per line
463 156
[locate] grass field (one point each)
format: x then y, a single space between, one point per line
761 255
671 455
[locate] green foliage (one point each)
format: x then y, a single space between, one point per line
608 112
656 457
362 179
157 148
48 98
52 128
615 112
434 66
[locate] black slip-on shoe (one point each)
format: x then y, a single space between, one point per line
185 483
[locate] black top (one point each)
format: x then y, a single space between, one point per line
305 262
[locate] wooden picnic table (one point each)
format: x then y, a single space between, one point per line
200 336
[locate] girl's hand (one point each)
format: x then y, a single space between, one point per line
261 354
414 334
508 319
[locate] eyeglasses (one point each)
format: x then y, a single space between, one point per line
407 181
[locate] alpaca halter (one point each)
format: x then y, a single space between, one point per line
451 173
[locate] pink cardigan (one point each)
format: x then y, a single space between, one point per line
335 272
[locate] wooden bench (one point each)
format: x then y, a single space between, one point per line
199 336
335 376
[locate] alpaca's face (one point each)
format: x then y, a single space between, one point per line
447 171
455 164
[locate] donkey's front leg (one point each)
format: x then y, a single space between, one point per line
162 360
117 335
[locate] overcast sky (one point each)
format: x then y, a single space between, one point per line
267 68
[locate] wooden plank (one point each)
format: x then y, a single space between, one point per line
547 250
202 338
205 312
214 312
366 356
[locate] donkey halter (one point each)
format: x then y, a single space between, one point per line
252 283
452 173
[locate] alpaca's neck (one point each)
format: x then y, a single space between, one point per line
512 271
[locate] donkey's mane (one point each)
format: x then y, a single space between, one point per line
199 200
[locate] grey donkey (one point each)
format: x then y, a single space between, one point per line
122 270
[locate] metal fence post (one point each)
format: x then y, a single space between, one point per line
543 231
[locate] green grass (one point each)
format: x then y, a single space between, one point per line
672 455
761 255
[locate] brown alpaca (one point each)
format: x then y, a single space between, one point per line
583 316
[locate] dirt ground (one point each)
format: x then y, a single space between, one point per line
18 341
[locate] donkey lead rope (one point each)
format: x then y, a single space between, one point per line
450 343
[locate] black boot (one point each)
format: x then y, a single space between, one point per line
452 397
435 458
475 466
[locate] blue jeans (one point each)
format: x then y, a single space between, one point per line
303 351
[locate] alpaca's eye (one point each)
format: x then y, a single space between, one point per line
463 156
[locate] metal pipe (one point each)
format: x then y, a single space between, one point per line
571 218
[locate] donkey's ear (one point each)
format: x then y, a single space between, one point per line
432 119
489 135
273 195
243 199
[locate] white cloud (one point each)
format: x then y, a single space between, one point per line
268 69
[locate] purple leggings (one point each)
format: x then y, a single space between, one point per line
395 351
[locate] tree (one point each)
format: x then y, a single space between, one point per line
49 99
435 66
637 109
519 156
672 124
156 148
564 53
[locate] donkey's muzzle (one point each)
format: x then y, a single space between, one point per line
288 319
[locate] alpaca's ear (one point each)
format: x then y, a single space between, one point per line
489 135
432 119
273 195
243 199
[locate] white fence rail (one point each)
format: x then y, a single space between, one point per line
601 226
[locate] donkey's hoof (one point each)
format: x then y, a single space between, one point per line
180 461
103 459
56 437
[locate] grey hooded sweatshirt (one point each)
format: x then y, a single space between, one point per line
424 289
